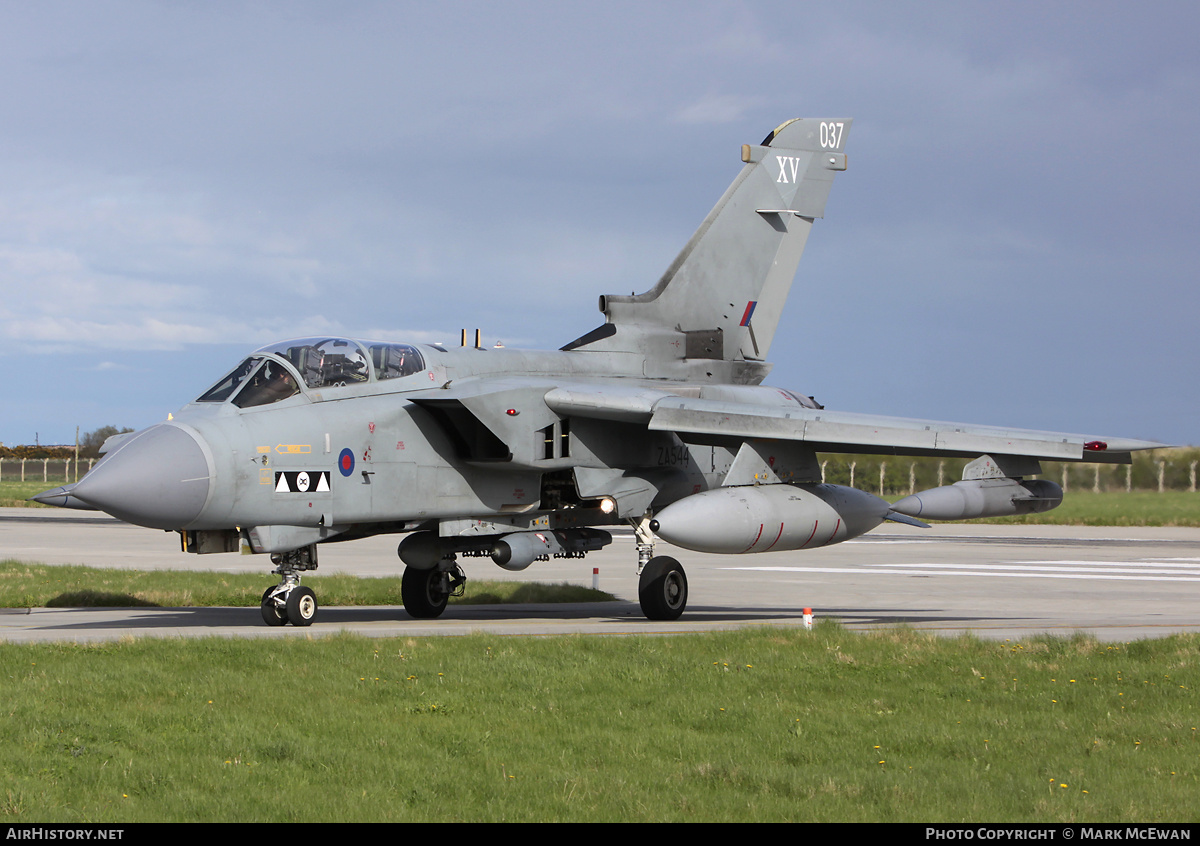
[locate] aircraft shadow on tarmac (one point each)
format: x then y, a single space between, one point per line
219 619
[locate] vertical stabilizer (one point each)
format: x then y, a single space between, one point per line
726 289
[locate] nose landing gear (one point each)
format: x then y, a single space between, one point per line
288 601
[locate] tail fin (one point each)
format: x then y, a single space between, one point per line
726 289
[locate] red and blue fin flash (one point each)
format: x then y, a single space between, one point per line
746 322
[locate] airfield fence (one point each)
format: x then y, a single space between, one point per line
1161 470
46 469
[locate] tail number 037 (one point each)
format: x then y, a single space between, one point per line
831 135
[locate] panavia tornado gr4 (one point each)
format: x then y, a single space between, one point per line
657 418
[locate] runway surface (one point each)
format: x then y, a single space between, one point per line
1119 584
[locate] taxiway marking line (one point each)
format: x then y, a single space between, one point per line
994 571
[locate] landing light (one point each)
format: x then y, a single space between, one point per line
607 505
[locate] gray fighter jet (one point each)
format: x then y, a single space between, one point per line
656 418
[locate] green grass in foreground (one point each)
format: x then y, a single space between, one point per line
765 724
24 585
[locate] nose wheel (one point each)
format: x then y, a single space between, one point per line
289 601
274 612
281 605
301 606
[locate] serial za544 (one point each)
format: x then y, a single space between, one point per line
656 418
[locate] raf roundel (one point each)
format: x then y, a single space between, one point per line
346 462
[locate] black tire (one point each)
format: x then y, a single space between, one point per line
271 613
423 593
301 606
663 589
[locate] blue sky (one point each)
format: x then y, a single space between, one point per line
1012 244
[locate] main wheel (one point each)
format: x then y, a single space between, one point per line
272 614
301 606
424 592
663 589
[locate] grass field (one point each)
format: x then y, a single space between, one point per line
1136 508
15 493
25 585
759 725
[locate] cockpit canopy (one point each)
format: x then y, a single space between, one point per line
318 362
324 362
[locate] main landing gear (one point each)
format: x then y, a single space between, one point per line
289 601
426 592
663 589
662 584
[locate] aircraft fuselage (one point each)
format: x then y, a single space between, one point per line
394 454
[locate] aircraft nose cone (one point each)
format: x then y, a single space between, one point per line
911 505
61 497
158 478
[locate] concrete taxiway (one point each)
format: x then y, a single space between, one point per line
1118 584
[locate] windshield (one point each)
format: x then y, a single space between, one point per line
270 383
225 388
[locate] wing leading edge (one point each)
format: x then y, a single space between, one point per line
837 431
